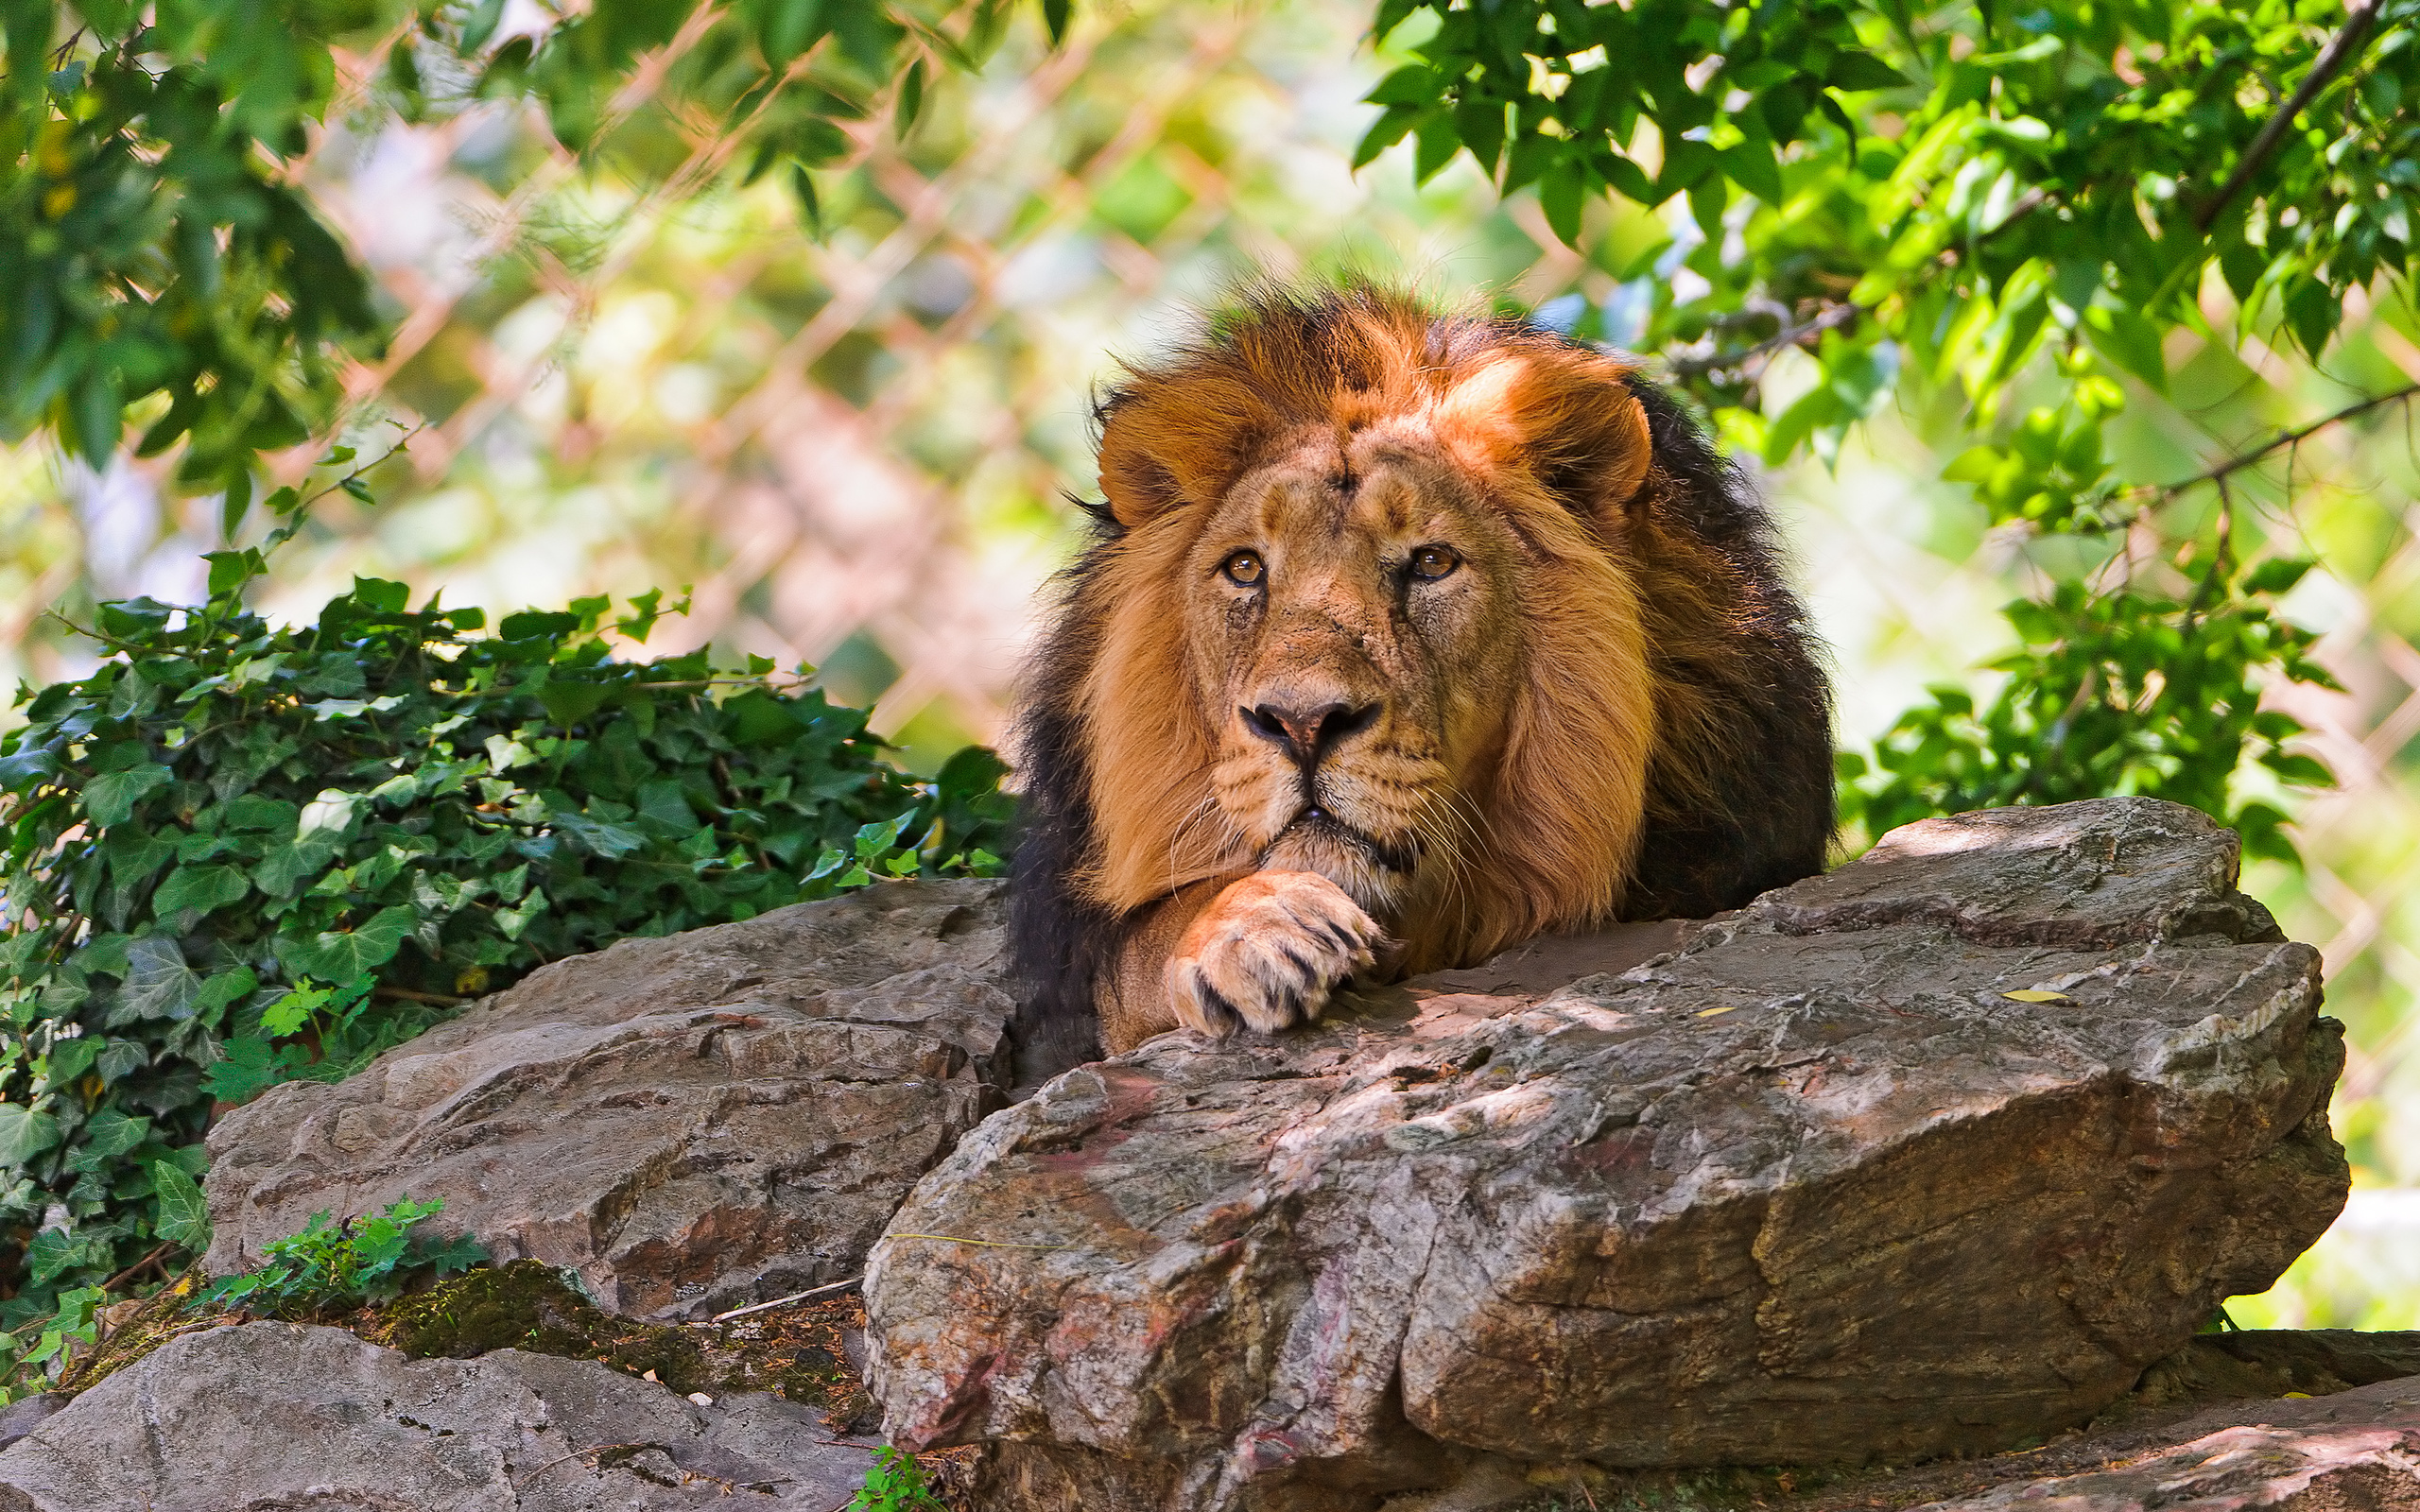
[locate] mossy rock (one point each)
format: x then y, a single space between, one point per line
795 1352
528 1306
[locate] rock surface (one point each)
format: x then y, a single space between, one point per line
1811 1188
277 1416
2359 1452
690 1123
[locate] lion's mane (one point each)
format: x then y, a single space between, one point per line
1738 796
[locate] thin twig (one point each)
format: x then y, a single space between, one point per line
833 1289
405 994
145 1264
2283 439
1831 317
2340 50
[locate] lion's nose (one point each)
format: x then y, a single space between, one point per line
1308 733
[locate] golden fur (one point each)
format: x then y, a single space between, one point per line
1457 760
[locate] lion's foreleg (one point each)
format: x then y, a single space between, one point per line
1262 950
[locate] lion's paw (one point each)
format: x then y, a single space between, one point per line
1267 951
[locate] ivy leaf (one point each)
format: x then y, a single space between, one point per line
600 837
69 1059
284 870
249 1067
24 1133
110 799
200 889
342 954
158 983
109 1133
184 1217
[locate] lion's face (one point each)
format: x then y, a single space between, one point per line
1352 617
1370 614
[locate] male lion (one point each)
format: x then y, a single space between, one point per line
1402 637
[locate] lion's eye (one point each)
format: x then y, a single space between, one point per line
1244 569
1431 562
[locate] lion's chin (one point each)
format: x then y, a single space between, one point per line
1376 875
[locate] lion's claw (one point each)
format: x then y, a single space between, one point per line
1269 952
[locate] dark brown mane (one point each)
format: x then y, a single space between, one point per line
1738 780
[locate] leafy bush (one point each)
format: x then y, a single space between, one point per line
240 853
328 1264
896 1484
2069 723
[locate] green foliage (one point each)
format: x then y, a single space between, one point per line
331 1265
165 267
1994 201
2068 722
240 854
896 1484
154 254
74 1322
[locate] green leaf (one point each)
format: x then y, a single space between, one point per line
200 889
288 1014
569 703
110 799
158 985
250 1066
1972 464
184 1217
2279 574
600 837
449 1256
1412 84
2130 341
1559 194
343 954
109 1133
24 1133
480 25
1854 70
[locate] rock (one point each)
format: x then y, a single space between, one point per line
2274 1362
25 1415
274 1415
690 1123
1811 1188
2359 1452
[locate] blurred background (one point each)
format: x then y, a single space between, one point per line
852 450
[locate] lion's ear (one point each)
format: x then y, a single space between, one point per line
1567 418
1172 441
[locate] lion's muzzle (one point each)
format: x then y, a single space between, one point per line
1306 735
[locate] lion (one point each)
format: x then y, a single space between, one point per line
1402 636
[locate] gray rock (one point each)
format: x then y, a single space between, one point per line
277 1416
1810 1188
25 1415
2358 1452
690 1123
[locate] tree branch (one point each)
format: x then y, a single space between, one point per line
2341 51
2277 443
1831 316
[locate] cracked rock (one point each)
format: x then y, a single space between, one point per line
1811 1187
691 1122
279 1415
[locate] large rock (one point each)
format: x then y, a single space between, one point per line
2355 1452
275 1416
1813 1187
690 1123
